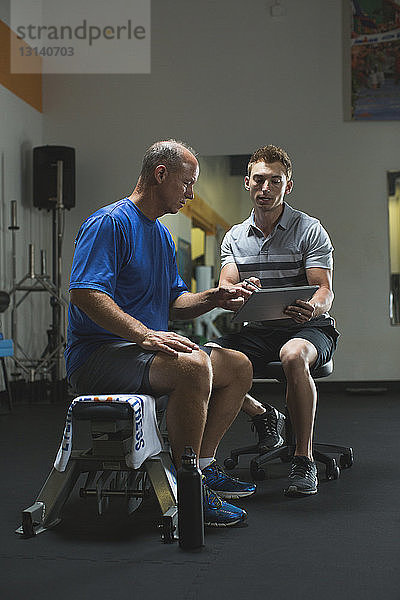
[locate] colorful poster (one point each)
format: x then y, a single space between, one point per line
375 60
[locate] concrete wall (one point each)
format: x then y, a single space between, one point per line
228 78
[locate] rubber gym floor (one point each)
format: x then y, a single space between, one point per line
343 543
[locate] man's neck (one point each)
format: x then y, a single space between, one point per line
266 221
144 201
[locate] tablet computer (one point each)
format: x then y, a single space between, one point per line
269 304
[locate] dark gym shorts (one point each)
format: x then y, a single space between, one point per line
116 368
263 345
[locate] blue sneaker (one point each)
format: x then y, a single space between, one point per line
218 513
224 485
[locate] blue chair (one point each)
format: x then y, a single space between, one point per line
6 349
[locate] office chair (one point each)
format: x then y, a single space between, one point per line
321 452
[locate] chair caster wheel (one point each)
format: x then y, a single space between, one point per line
332 470
230 463
257 473
346 460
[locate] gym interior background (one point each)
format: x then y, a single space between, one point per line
227 78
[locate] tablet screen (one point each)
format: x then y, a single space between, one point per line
269 304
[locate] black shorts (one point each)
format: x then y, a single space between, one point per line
116 368
262 346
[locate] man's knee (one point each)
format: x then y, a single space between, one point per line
298 354
195 373
188 371
195 365
242 365
229 365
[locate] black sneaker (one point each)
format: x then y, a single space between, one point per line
302 478
269 427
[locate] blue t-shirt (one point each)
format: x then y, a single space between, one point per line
121 252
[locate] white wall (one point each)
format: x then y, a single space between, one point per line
20 130
179 225
227 78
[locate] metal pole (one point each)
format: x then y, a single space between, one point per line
14 228
43 263
57 247
31 258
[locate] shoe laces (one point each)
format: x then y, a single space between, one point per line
266 425
210 498
301 467
219 473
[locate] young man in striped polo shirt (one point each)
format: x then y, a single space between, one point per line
279 246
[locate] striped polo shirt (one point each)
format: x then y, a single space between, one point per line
298 242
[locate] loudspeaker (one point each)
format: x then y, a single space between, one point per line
45 176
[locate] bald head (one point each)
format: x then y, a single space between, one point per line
170 153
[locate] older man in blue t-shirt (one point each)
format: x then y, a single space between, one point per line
124 287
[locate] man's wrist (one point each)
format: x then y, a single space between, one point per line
212 298
317 310
140 336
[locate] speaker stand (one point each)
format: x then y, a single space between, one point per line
51 361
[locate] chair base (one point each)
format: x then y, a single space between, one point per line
321 452
285 453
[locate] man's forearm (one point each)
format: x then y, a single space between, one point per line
107 314
190 306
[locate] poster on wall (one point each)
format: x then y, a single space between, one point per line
375 60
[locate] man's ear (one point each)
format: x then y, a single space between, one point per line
160 173
289 187
246 182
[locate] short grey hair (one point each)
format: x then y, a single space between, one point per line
169 153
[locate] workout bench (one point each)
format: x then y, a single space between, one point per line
112 426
